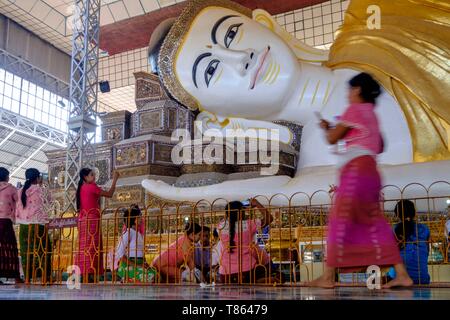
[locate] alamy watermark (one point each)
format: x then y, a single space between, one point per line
74 279
253 146
374 277
374 20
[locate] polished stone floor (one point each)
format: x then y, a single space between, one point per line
161 292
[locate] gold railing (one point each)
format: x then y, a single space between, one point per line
295 243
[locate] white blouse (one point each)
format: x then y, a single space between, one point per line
131 245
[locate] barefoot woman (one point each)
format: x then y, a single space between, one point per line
359 234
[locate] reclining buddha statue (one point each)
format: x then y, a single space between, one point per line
239 67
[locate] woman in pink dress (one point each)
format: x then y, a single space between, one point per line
179 255
90 255
32 216
9 255
358 233
242 261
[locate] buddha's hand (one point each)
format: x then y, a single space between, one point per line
211 125
207 122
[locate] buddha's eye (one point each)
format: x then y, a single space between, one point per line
210 70
231 34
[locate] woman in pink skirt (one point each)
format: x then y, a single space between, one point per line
90 255
358 233
9 255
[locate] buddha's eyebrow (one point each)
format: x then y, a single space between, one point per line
216 26
194 67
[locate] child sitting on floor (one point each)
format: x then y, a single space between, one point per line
130 250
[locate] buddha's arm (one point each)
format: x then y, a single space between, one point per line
304 189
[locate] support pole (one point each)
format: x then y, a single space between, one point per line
83 95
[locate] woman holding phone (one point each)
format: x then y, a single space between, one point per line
358 233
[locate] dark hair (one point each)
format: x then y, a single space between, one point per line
31 176
192 227
405 211
4 174
233 211
83 173
215 233
130 215
370 89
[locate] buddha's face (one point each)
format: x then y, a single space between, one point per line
235 66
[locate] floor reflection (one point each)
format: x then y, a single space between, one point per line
89 292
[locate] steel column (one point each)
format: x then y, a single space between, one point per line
83 94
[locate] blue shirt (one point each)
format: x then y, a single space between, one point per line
202 256
415 254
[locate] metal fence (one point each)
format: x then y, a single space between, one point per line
290 251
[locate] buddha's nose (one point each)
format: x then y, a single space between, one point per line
239 60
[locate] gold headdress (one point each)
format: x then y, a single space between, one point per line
173 40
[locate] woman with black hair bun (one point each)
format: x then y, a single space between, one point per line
358 233
33 234
179 255
90 256
414 239
9 255
130 250
241 259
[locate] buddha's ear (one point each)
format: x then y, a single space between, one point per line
300 49
263 17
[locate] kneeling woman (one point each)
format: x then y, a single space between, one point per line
178 255
413 238
130 250
242 260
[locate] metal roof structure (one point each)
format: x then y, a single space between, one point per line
23 143
51 19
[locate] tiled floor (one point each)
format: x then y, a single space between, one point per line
97 292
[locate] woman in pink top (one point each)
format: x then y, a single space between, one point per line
90 256
240 254
35 245
9 255
358 233
179 254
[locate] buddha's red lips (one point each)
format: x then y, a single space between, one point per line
259 68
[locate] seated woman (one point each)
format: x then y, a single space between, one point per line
413 242
241 257
130 250
179 255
